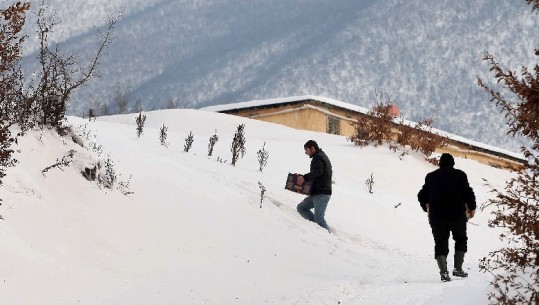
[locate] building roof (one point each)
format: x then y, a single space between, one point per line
354 108
285 100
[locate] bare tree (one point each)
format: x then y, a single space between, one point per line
104 109
138 105
418 137
376 128
12 103
379 127
60 74
534 3
515 268
91 114
121 101
171 104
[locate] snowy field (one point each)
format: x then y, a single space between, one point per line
193 231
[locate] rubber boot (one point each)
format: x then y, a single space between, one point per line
442 264
459 260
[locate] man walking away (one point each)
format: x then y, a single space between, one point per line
320 173
444 197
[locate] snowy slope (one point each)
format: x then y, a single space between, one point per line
425 55
193 231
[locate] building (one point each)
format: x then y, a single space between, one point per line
331 116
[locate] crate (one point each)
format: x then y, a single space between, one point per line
292 185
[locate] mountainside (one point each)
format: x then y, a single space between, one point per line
425 55
195 229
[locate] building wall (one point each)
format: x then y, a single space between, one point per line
301 117
305 119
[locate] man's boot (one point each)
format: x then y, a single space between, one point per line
459 260
442 264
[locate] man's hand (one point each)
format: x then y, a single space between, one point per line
300 180
472 213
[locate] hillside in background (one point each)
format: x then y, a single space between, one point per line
425 55
195 230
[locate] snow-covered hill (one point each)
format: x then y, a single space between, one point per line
193 231
425 55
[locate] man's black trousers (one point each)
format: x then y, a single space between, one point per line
440 232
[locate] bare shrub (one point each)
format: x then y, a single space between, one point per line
6 152
262 192
61 163
379 127
108 178
263 156
125 186
418 137
369 183
376 127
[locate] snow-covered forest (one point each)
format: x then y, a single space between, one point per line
425 55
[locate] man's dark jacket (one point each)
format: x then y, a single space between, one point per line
320 173
446 190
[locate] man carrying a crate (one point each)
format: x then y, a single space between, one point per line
320 174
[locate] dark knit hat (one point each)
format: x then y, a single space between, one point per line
446 160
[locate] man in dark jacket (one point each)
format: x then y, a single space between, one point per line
320 173
445 197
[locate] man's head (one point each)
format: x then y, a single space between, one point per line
311 147
446 160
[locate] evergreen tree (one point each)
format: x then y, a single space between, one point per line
163 135
238 144
141 120
211 143
189 142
